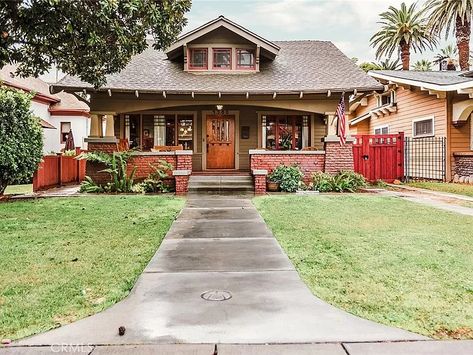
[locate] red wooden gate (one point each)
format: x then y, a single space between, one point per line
58 170
379 156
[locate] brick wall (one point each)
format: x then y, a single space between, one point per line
102 147
308 162
338 157
463 164
144 164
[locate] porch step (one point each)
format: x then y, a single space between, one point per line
221 183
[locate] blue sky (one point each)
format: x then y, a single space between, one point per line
347 23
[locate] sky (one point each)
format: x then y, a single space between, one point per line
347 23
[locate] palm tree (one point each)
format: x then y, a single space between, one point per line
387 64
453 16
423 65
447 54
402 29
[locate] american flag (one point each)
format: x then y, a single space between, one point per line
342 120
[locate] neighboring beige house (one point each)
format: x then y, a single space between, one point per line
223 93
429 107
59 112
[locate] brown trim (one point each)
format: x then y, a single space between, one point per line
69 112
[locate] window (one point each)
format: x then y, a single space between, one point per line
245 59
179 130
284 132
423 127
381 130
222 58
387 98
198 58
65 129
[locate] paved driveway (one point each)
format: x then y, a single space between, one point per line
220 243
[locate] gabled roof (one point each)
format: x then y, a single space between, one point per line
432 80
222 21
301 66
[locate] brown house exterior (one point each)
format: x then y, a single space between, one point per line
423 105
228 100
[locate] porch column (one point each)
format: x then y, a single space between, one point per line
263 132
127 128
159 130
305 131
109 126
331 124
95 124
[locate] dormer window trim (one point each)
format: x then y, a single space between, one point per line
245 67
191 58
215 52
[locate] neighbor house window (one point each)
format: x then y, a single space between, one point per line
381 130
180 130
198 58
423 127
245 59
388 98
222 58
65 129
284 132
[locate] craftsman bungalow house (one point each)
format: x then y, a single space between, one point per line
433 109
222 100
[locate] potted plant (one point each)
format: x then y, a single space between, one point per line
273 183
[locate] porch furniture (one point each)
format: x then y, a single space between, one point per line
167 148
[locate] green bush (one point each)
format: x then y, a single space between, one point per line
288 177
344 181
21 138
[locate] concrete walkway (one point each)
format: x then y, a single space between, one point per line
222 244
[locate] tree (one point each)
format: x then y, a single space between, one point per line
423 65
401 30
367 66
453 17
21 138
387 64
447 54
87 38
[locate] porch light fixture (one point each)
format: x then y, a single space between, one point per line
219 107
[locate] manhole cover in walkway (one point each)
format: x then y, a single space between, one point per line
216 295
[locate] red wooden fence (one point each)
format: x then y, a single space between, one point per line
379 156
58 170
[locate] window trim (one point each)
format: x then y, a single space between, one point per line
61 140
381 128
294 118
427 118
189 57
391 94
239 67
215 51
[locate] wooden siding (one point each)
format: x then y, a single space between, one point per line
411 105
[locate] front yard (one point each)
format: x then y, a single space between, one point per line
459 189
62 259
381 258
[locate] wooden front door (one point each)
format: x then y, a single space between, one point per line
220 142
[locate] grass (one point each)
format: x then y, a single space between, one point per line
459 189
66 258
19 189
381 258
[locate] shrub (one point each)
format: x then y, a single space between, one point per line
21 138
69 153
155 181
344 181
288 177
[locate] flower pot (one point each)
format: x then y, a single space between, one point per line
273 186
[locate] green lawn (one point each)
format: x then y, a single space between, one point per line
62 259
381 258
460 189
19 189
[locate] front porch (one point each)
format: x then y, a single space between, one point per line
224 139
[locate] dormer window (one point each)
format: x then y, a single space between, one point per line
198 59
245 59
222 58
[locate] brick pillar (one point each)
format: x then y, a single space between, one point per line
338 157
259 176
182 171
